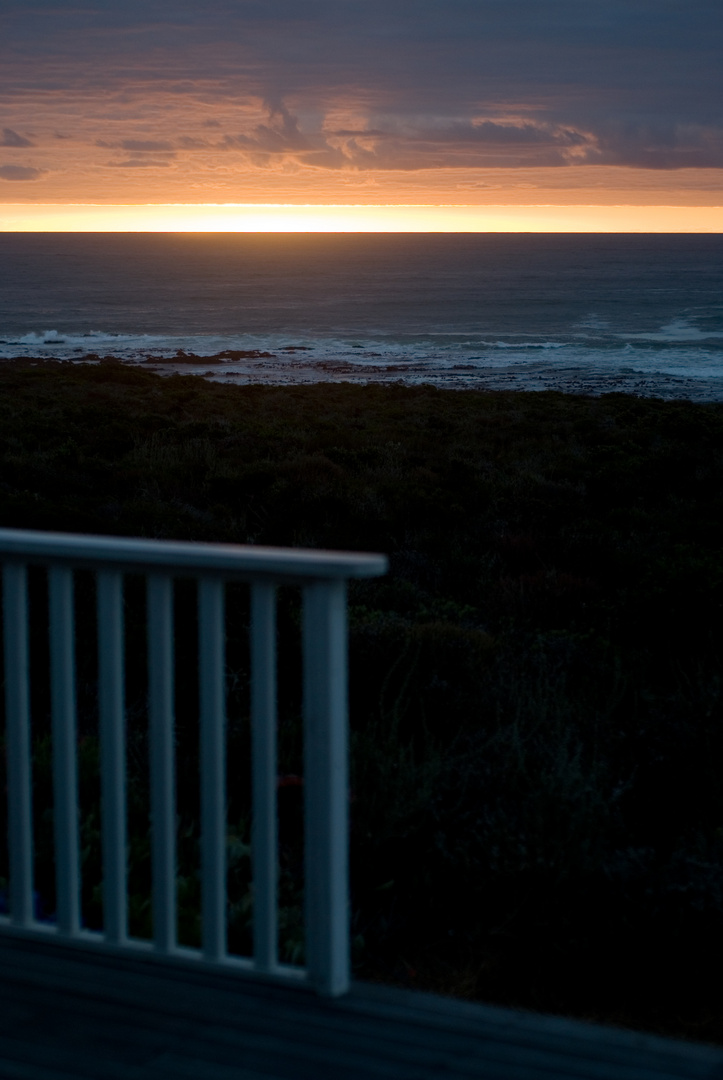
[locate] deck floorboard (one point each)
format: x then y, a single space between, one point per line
67 1012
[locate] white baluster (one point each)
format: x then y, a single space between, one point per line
326 786
17 704
112 753
264 843
163 801
65 768
212 648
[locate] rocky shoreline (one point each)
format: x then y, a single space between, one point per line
289 366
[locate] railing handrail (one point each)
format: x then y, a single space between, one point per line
245 561
322 576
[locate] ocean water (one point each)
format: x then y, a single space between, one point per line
641 314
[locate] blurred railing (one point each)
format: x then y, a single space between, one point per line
322 576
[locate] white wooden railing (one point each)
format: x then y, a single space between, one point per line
322 576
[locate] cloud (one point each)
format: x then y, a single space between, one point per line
12 138
138 163
408 144
19 172
280 135
138 146
365 85
145 146
494 133
661 146
189 143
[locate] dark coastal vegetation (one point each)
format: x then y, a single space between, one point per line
536 699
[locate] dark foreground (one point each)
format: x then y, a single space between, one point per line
67 1013
536 692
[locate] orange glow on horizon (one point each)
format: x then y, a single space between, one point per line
248 217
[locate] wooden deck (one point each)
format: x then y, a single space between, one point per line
70 1013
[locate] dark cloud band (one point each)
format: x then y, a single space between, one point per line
366 85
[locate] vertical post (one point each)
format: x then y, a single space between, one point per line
264 843
326 786
213 767
163 810
17 707
112 753
65 768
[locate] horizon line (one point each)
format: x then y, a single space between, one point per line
245 217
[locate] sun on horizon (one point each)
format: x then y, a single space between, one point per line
293 217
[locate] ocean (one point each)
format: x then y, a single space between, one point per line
641 314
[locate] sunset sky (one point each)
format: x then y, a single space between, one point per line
470 110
